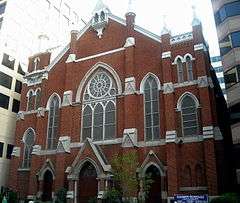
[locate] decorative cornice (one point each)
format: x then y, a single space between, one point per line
208 132
181 38
129 137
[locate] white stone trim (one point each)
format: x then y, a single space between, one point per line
129 137
50 99
47 166
168 88
199 47
171 136
179 102
64 144
166 54
203 81
185 84
100 54
130 41
16 151
91 71
151 143
188 55
20 115
208 132
186 189
130 86
71 58
144 80
40 112
176 59
181 38
70 195
67 98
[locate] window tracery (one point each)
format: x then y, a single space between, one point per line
99 107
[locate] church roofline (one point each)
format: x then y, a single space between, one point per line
174 39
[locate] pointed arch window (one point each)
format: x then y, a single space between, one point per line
96 17
151 105
38 99
28 141
102 16
53 122
30 105
189 116
180 70
189 68
99 109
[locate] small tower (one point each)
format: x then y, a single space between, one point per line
195 21
100 17
165 29
130 18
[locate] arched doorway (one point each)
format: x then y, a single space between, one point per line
47 186
88 184
154 194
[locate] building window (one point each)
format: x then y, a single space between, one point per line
180 70
5 80
151 106
20 71
232 76
15 106
18 86
1 149
28 140
200 178
99 108
30 106
8 61
229 42
38 99
189 116
9 151
2 8
53 122
227 10
189 68
235 37
4 101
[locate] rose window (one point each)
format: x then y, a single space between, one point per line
100 85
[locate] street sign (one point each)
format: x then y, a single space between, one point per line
191 199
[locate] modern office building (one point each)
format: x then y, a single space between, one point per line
25 31
227 19
216 63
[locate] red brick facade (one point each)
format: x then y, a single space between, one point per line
188 165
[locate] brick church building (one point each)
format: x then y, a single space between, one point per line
118 87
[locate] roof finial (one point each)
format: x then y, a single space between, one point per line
196 20
165 29
100 6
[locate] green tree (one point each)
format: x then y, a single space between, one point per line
124 171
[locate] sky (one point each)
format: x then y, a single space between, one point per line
150 15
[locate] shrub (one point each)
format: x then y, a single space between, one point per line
227 198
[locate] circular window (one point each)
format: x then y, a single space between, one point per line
100 85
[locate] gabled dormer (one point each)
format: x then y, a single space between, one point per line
100 18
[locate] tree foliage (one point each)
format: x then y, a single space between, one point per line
124 171
227 198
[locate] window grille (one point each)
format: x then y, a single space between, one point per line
53 121
189 116
180 70
99 107
29 139
151 105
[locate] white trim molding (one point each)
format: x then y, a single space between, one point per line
67 98
208 132
171 136
144 80
168 88
179 102
130 41
166 54
130 86
50 99
129 137
203 81
199 47
85 79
